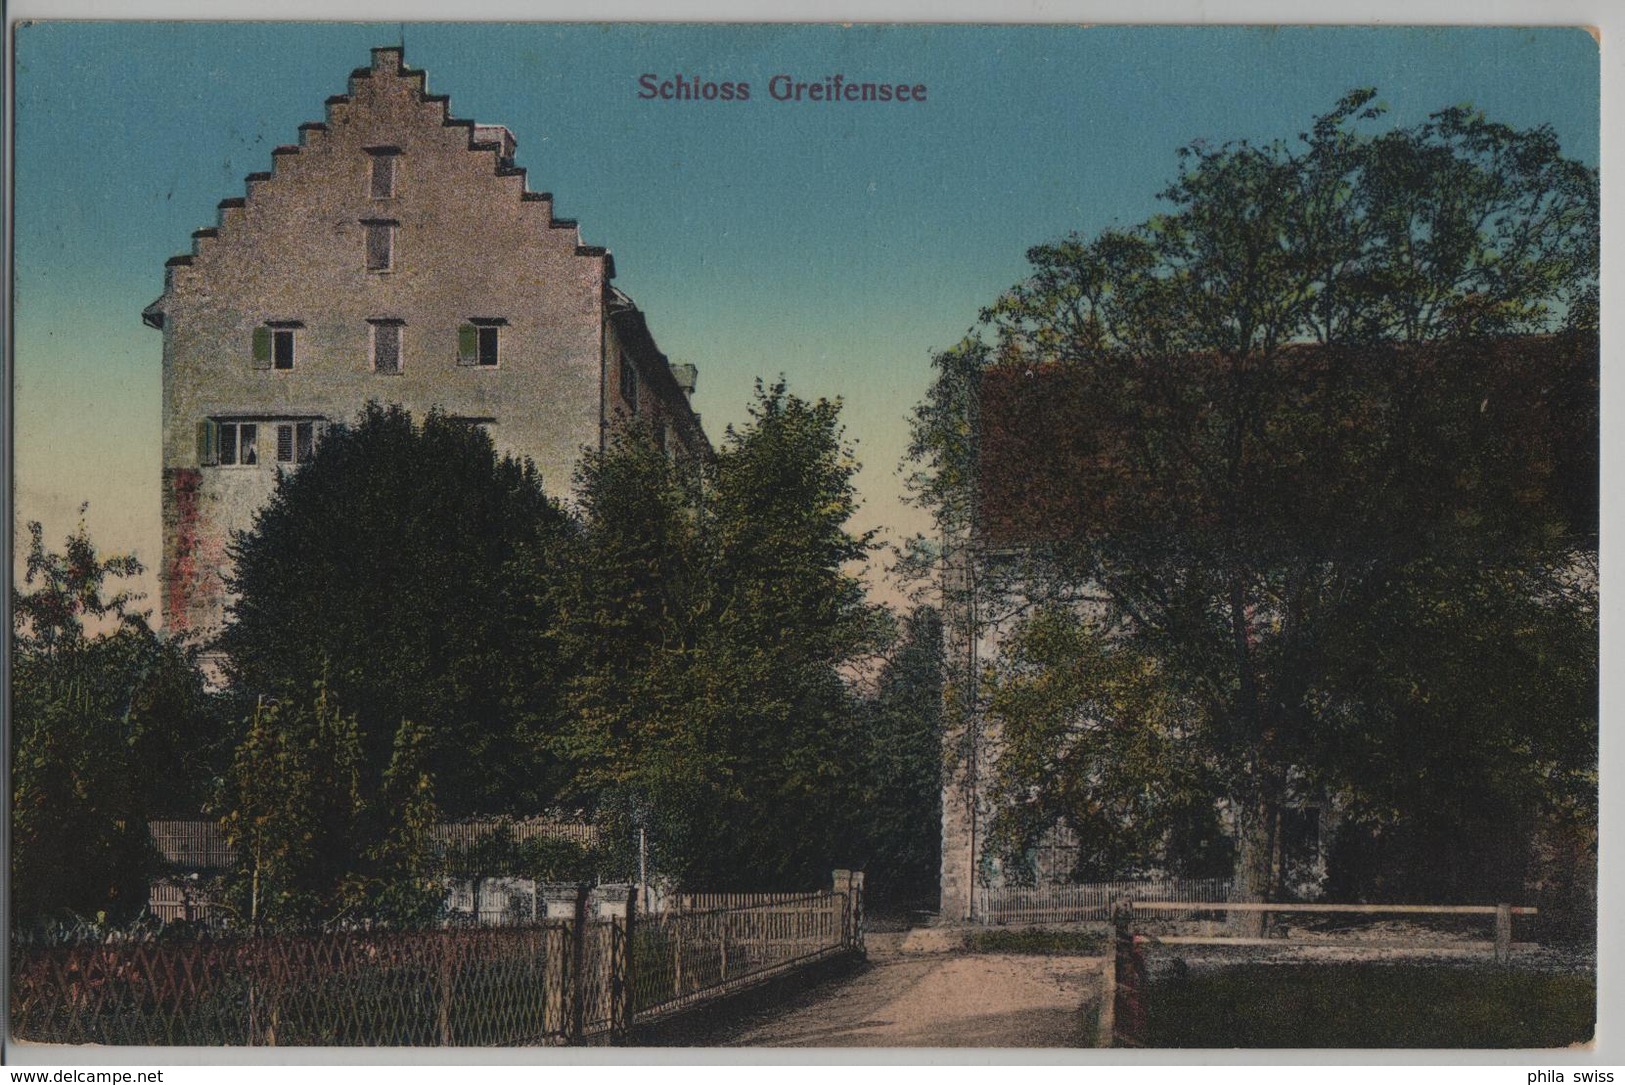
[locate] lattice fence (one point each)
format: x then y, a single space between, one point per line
438 987
547 982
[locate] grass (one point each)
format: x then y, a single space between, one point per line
1045 942
1357 1005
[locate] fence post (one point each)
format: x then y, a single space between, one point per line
578 967
1503 933
677 925
1129 1016
841 886
628 964
447 972
857 912
1107 1026
719 921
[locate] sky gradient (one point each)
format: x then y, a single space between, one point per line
838 245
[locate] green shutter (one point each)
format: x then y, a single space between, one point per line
208 442
262 347
468 345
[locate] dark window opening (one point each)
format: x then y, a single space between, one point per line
479 341
380 246
295 442
239 444
383 176
629 383
282 348
386 347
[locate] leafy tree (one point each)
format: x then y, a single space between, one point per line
1286 405
294 812
710 623
316 842
1103 724
110 726
396 566
901 773
404 866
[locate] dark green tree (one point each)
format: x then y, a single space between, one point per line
398 565
110 726
317 843
1103 724
712 617
293 810
901 773
1335 376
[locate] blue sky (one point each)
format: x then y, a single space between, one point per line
839 245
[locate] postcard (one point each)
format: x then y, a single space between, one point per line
537 536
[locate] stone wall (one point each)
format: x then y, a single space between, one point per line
468 245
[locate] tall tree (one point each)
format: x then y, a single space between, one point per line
293 811
1253 416
110 726
902 768
386 566
714 621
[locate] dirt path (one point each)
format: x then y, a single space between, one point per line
937 1000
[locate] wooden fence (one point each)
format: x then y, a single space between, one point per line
711 902
686 957
1500 944
1124 1020
579 980
1089 902
180 902
192 845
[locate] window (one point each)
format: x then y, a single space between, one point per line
380 244
274 344
479 342
239 444
295 442
386 345
381 179
629 383
236 443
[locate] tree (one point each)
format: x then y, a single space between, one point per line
1333 375
293 812
711 623
901 773
316 842
110 726
397 566
1099 726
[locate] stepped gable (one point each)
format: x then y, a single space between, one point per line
387 62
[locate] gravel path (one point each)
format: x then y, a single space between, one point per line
937 1000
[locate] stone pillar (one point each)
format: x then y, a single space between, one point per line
962 769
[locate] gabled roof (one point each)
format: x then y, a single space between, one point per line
391 60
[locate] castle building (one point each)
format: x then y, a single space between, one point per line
394 255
